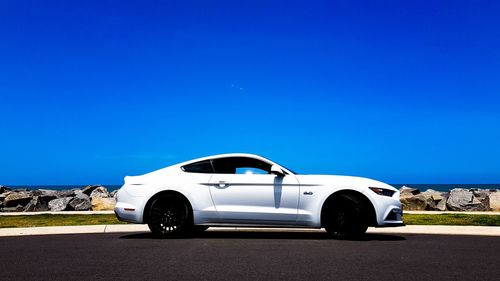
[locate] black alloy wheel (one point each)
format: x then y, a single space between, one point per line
346 218
169 216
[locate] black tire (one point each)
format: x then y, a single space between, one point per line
199 228
346 218
169 216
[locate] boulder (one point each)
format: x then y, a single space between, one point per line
89 188
441 205
3 189
18 208
406 190
17 198
59 204
3 195
436 201
495 200
464 200
65 193
100 191
411 202
37 204
103 204
46 195
113 193
77 191
81 202
483 195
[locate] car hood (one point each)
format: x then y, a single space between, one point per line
341 181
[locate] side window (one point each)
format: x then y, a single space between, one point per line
199 167
250 171
240 165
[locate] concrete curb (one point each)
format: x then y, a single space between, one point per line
79 229
57 213
440 229
410 229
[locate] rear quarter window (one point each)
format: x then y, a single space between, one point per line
203 167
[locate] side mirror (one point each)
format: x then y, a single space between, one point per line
276 170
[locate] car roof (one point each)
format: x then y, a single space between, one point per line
226 155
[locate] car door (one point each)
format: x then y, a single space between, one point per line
245 193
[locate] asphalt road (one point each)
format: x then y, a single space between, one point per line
249 256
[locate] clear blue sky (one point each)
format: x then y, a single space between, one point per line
400 91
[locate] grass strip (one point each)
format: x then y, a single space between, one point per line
451 219
62 220
57 220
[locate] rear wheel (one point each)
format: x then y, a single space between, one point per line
199 228
169 216
346 218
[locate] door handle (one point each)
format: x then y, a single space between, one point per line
223 184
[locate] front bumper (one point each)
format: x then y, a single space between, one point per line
392 217
388 211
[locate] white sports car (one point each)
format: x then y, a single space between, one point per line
249 190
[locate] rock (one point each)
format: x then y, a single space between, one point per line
409 199
464 200
483 195
3 195
436 201
45 192
46 195
77 191
37 204
413 203
18 208
41 198
59 204
103 204
81 202
65 193
441 205
89 188
3 189
408 190
100 191
113 193
412 200
17 198
495 200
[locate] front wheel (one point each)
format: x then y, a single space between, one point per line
169 216
346 218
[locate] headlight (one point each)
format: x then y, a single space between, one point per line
382 191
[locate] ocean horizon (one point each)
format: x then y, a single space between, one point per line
421 186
